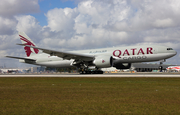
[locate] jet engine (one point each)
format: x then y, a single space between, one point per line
103 61
122 65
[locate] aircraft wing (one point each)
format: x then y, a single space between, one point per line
28 59
64 54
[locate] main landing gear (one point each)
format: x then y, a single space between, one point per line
90 71
84 68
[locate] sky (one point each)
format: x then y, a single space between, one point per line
87 24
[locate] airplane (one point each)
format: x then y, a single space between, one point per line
175 68
92 60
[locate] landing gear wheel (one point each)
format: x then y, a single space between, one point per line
160 68
91 72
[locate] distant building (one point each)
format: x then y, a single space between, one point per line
37 69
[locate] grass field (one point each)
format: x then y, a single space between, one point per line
88 96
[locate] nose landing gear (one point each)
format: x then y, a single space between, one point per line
160 65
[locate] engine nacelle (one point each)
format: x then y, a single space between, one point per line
122 65
103 61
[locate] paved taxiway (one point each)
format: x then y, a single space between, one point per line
96 75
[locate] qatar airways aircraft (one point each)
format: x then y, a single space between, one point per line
85 60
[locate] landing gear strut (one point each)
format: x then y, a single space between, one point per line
160 65
160 68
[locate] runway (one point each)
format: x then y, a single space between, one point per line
96 75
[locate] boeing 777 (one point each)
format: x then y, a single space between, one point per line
118 57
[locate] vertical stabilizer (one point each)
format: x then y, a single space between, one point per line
27 41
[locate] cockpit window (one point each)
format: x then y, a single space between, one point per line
169 49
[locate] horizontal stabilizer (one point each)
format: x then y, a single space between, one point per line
21 44
21 58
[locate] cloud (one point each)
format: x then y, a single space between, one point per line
89 25
9 8
61 19
158 14
27 23
163 23
7 26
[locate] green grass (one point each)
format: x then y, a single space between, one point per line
102 96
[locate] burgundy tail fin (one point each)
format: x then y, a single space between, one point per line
27 41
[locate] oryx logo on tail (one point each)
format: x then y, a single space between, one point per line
28 49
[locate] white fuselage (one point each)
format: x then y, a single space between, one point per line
129 54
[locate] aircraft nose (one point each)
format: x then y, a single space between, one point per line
174 53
